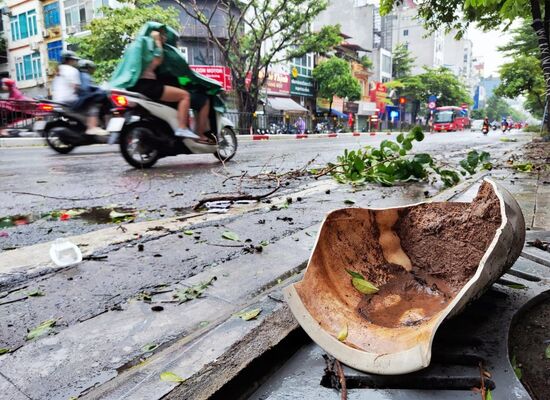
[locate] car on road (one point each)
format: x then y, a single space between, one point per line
477 124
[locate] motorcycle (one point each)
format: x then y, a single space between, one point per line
145 131
65 129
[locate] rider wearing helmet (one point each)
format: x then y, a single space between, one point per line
67 86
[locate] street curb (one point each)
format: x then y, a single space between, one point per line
22 142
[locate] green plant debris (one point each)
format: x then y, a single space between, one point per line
144 296
505 139
45 328
202 324
360 283
188 233
348 201
231 236
488 395
391 163
547 351
526 167
264 243
516 367
248 315
35 293
3 350
149 347
343 334
193 292
171 377
518 286
118 217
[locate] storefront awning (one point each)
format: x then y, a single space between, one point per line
333 112
285 104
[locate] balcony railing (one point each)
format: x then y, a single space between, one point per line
200 31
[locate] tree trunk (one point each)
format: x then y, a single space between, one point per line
246 104
544 47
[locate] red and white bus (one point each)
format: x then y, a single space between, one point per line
451 119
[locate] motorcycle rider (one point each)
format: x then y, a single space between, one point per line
153 66
89 94
66 85
485 128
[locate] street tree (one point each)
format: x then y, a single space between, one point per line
488 14
116 28
402 61
497 108
522 75
259 34
439 82
335 78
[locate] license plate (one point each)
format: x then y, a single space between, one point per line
39 126
115 124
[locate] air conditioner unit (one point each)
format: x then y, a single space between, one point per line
71 30
45 34
34 46
5 11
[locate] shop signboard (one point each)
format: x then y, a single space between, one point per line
276 82
351 107
301 86
378 95
216 72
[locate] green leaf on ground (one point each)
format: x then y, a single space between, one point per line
264 243
144 296
231 236
189 233
171 377
363 286
248 315
505 139
527 167
516 368
547 351
3 350
192 292
516 286
149 347
355 274
343 334
488 395
348 201
202 324
35 293
45 328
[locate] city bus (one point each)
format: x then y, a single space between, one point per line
451 119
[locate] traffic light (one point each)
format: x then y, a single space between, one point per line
402 100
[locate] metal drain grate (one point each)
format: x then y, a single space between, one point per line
479 334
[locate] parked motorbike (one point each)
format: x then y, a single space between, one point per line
65 129
146 130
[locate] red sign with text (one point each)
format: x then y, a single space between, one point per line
378 96
276 82
216 72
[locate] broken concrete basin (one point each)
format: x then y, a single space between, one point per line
425 262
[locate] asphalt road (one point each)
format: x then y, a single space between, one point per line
107 294
36 182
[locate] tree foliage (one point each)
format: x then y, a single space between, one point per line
440 82
402 61
523 76
260 33
391 162
497 108
335 78
111 33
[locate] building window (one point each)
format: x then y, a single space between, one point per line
78 12
23 25
28 67
304 65
386 64
51 15
54 50
406 32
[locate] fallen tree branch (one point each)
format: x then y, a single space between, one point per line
237 197
68 198
342 378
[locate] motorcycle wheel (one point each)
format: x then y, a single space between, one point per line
134 151
227 144
51 134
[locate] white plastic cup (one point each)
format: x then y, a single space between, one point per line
64 253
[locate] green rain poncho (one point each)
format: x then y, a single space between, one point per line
140 54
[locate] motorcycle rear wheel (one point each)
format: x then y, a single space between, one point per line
227 144
51 134
134 151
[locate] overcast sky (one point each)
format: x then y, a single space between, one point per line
485 48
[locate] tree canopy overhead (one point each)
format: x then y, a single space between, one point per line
111 33
261 33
